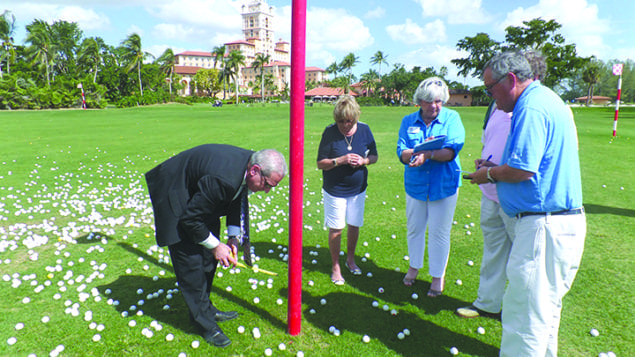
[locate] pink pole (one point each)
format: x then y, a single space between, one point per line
296 154
617 105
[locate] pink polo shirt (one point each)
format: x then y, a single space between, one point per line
494 139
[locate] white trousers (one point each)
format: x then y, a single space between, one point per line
498 230
437 217
542 265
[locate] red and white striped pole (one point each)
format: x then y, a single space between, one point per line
296 163
617 70
83 97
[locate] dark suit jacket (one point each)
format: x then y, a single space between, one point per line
192 190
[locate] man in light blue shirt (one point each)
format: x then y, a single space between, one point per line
538 181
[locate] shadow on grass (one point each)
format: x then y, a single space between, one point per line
354 313
599 209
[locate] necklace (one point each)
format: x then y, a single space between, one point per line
350 143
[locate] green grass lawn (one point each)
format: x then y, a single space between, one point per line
67 174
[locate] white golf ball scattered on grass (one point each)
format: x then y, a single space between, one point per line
480 330
366 339
454 351
195 344
282 347
381 290
594 332
11 341
415 296
401 335
256 332
96 337
459 282
169 337
268 351
241 329
323 301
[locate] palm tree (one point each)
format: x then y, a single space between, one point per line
135 55
347 64
235 62
166 63
219 53
378 59
591 75
7 28
40 50
90 54
260 62
333 68
369 81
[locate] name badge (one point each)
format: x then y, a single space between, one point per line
414 130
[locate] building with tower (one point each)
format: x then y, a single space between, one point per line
258 38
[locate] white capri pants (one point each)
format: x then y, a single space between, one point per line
437 217
339 211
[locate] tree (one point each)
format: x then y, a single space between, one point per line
369 81
219 53
397 81
166 63
562 59
65 37
207 79
259 63
333 68
591 76
7 29
40 50
480 49
134 55
378 59
347 64
235 62
90 55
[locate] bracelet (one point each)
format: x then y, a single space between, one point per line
334 162
431 154
489 177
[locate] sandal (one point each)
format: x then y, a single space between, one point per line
408 282
338 282
356 271
434 293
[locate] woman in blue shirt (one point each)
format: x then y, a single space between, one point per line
431 179
346 148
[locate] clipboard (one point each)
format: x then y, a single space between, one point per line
434 144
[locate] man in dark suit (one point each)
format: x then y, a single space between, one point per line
189 193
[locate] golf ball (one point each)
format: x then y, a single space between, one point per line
169 337
366 339
470 263
96 337
406 332
375 303
480 330
381 290
594 332
268 352
401 335
241 329
282 347
195 344
323 301
454 351
459 282
415 296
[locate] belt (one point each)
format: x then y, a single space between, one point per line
565 212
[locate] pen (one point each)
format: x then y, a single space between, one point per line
489 158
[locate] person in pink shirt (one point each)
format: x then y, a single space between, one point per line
497 227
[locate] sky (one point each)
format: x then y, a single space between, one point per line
410 32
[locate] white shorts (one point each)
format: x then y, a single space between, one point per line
339 211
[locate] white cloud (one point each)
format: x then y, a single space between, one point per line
376 13
436 56
86 19
579 19
134 29
456 11
412 33
337 30
208 14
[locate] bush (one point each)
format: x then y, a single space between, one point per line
369 101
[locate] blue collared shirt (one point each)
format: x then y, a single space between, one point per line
433 180
543 140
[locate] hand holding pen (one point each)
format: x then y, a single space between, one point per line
480 162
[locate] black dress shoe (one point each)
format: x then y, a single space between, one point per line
217 338
225 316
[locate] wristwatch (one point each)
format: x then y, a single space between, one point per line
489 177
334 162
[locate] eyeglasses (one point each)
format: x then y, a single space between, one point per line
488 88
266 183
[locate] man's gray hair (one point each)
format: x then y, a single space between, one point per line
270 161
430 90
510 62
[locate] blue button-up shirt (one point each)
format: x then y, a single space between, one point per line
433 180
